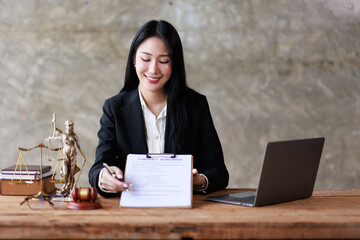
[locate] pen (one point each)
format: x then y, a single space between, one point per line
112 173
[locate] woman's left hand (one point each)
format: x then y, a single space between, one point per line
197 178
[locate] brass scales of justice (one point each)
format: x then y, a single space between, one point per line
35 202
21 161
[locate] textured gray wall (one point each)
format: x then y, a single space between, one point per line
272 70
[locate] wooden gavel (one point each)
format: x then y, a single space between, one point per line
84 194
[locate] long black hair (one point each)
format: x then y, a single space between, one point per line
175 86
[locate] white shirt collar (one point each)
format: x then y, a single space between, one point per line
142 101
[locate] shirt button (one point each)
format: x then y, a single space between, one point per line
156 137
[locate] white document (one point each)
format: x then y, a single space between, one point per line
158 181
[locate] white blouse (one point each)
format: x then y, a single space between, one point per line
154 128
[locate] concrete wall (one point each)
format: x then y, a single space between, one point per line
272 70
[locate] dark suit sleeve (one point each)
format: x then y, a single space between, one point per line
106 150
211 159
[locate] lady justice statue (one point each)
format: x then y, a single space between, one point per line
68 166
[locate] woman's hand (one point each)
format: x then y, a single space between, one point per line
109 183
197 178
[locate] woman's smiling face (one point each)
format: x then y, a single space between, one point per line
153 65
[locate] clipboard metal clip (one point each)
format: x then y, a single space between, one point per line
149 155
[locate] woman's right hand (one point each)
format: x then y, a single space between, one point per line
109 183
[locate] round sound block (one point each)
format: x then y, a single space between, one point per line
83 205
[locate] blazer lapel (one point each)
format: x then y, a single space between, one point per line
134 121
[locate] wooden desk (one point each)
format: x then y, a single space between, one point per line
328 214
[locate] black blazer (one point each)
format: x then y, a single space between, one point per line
122 132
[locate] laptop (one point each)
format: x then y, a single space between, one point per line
288 173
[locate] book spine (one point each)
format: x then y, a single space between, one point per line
25 189
22 172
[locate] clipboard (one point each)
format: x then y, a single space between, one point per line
158 180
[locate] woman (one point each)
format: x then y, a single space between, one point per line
155 112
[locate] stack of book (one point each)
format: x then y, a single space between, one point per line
27 181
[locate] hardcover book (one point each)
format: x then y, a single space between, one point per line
25 176
32 169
